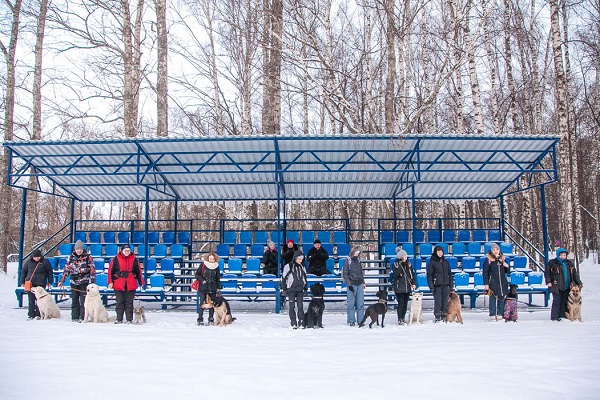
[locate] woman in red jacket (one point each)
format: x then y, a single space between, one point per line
124 277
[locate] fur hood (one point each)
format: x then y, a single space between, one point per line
354 250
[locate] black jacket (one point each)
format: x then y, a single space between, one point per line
316 261
403 277
210 279
554 275
270 260
287 254
494 275
439 273
43 273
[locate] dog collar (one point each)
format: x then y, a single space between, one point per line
46 295
382 301
317 297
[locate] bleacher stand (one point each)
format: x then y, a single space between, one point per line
402 237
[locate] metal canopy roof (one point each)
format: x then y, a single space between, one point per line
278 167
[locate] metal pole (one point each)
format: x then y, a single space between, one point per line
277 293
146 246
72 220
414 221
175 216
21 234
502 216
545 225
395 220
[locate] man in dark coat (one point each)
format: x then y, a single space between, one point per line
287 252
317 257
39 271
270 259
560 275
439 280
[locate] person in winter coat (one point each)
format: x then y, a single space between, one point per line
439 280
352 274
270 259
209 276
317 256
124 277
495 269
39 271
287 251
80 266
560 275
403 283
293 280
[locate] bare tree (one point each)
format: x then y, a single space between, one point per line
272 45
162 103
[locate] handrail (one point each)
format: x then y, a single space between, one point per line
539 265
42 243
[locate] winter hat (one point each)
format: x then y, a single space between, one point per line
495 246
36 253
401 255
298 253
560 251
125 246
79 245
317 241
289 240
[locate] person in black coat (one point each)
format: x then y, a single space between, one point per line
39 271
287 252
495 269
560 275
270 259
209 276
403 283
439 280
317 257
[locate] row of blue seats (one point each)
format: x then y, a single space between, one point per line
108 251
154 237
458 249
470 264
225 250
435 236
304 237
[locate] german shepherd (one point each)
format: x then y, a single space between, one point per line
574 304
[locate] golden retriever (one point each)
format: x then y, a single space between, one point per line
46 304
94 309
574 304
454 309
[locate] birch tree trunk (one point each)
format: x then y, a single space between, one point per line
208 14
509 72
390 89
129 115
456 14
473 73
162 100
487 40
272 45
9 111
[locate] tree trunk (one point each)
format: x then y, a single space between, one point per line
487 40
456 14
473 74
390 89
162 100
213 68
272 45
509 72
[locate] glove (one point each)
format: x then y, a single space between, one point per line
351 288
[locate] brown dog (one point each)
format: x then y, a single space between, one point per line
454 309
222 311
574 304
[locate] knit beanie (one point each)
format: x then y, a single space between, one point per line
298 253
79 245
401 254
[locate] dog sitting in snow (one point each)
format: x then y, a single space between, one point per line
313 318
375 310
416 308
574 304
94 309
46 304
139 315
454 309
222 310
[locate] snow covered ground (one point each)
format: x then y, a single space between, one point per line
261 357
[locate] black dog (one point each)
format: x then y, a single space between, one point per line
313 318
374 310
219 299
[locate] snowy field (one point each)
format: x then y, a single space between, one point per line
261 357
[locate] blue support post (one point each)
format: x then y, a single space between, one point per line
545 225
395 220
72 220
21 234
414 218
146 247
277 292
175 216
502 226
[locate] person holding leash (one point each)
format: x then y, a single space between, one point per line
403 283
38 271
293 285
439 280
209 276
352 274
495 269
124 277
80 266
561 275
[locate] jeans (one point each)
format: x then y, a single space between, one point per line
356 301
124 303
559 305
296 298
496 306
402 304
440 301
78 293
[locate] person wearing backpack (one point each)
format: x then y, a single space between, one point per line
293 285
352 274
209 276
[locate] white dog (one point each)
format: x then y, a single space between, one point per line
46 304
94 309
416 308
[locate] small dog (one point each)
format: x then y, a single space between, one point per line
510 304
222 310
46 304
313 318
574 304
94 308
416 308
374 310
139 315
454 309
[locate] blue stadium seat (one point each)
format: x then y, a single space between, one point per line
294 235
61 264
418 236
487 246
234 266
108 237
157 281
461 281
494 235
141 251
453 261
110 250
324 236
425 250
416 263
176 251
474 248
122 237
229 283
168 237
137 237
160 251
153 237
409 248
459 249
330 284
308 237
276 237
223 250
469 264
343 249
269 286
240 250
330 264
449 236
479 235
96 250
422 285
81 236
478 281
443 246
536 280
94 237
506 249
482 261
183 238
386 237
520 263
247 285
229 237
253 266
402 237
517 278
328 248
464 235
65 249
150 265
261 237
257 250
222 265
99 265
434 236
53 262
389 250
101 280
340 237
246 237
167 267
